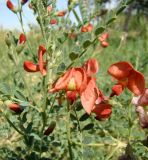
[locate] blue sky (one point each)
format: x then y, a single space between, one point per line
9 20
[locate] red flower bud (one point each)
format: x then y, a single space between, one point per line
53 21
22 39
11 6
14 107
24 1
61 13
104 44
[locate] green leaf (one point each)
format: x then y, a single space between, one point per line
29 127
120 9
18 94
73 56
110 20
99 30
86 43
5 89
89 126
61 67
84 117
24 117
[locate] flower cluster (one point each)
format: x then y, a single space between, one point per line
81 81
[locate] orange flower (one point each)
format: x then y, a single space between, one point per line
91 67
103 39
61 13
31 67
74 79
87 28
128 77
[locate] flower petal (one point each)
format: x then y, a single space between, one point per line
120 70
41 52
143 100
30 67
89 96
117 89
102 111
91 67
136 82
62 82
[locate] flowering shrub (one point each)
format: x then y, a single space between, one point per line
58 105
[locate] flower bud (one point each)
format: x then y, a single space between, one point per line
13 106
11 6
20 48
8 40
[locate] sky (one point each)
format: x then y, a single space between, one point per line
9 20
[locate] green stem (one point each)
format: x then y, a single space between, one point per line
69 133
11 124
76 15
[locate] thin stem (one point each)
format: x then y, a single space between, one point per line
76 15
69 132
12 124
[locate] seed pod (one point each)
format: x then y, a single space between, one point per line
50 129
8 40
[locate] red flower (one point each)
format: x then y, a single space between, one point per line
61 13
22 38
103 39
31 67
128 77
11 6
74 79
91 67
79 81
102 111
87 28
53 21
71 96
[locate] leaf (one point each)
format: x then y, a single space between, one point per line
73 56
120 9
24 117
99 30
89 126
84 117
5 89
18 94
110 20
61 67
86 43
29 127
